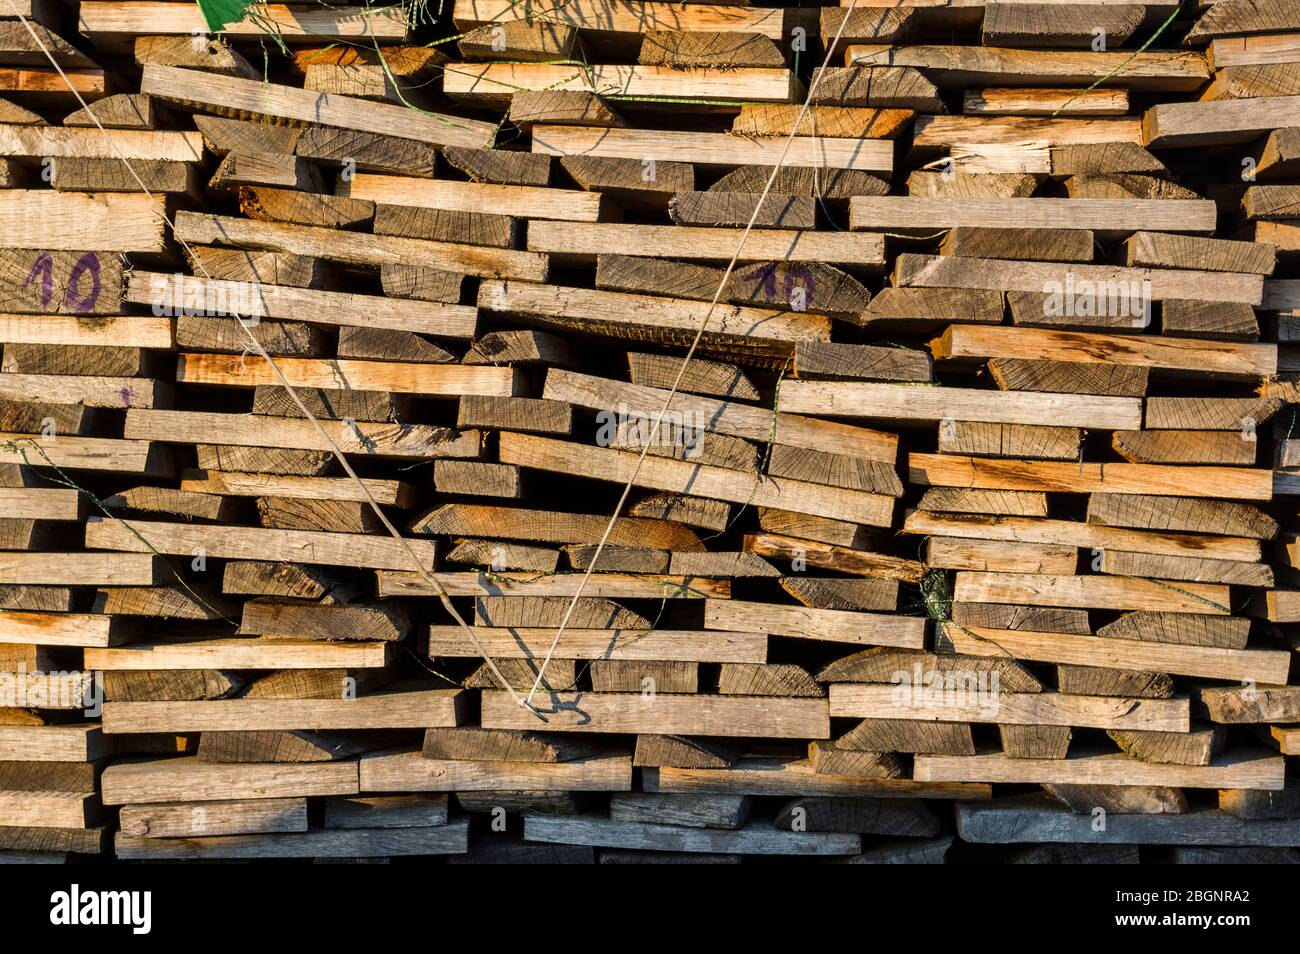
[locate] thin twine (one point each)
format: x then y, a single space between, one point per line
428 577
699 334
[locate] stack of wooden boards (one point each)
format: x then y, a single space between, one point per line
968 534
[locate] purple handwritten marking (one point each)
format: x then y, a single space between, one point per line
44 267
87 263
795 275
127 394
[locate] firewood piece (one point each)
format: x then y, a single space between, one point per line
692 511
880 665
721 564
1247 704
832 557
842 594
111 175
499 556
238 170
786 523
1237 17
211 55
708 49
836 470
1120 799
920 309
541 611
1035 741
1035 25
683 752
529 415
369 151
505 168
1010 503
952 553
150 685
302 621
562 107
1033 441
1179 628
333 404
503 745
172 602
908 735
1068 377
521 347
820 183
747 679
305 208
1165 250
445 225
277 748
631 181
1121 186
882 87
840 122
313 684
389 344
829 759
477 478
421 284
263 460
122 111
1197 747
691 811
560 676
1183 447
614 559
1211 414
343 516
646 677
1040 245
739 209
1181 513
222 335
267 268
526 41
259 578
1213 320
868 816
551 527
1094 681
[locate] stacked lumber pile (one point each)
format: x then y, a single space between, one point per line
966 534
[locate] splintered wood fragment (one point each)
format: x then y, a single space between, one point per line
1034 741
829 556
1003 101
1148 512
670 715
625 675
1007 503
1043 245
1183 447
1197 747
801 622
562 107
531 644
953 471
840 122
339 549
245 98
962 66
1226 321
1140 656
692 511
714 149
1104 216
1033 441
681 476
842 594
879 665
906 735
908 403
475 520
1091 592
882 87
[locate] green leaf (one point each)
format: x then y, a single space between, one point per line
220 12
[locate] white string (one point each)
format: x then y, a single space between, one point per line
428 577
699 334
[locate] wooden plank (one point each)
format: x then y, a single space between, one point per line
73 221
396 377
909 403
410 772
531 202
390 710
795 778
1210 662
1104 216
240 653
491 85
1216 123
1096 592
54 743
760 717
349 843
107 20
183 294
188 779
1239 769
80 569
802 622
257 543
236 817
578 643
611 585
123 331
715 149
680 476
755 839
1158 480
1047 708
